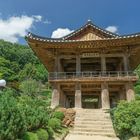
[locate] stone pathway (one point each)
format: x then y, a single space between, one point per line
85 137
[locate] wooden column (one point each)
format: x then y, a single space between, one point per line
105 96
130 93
55 96
103 64
62 98
78 63
126 62
57 67
78 98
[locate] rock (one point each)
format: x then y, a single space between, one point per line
69 116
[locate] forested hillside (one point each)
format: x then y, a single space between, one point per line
18 63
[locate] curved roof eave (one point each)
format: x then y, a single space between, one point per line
45 39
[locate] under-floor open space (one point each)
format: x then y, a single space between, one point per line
91 95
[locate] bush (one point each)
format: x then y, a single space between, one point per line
30 87
12 121
30 136
36 112
42 134
54 123
124 117
21 114
136 127
58 115
50 131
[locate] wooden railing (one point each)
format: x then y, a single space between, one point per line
71 75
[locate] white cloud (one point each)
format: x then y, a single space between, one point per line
17 26
112 29
60 32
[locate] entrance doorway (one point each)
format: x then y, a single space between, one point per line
90 101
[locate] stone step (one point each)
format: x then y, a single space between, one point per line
92 113
93 126
93 122
95 113
93 133
92 119
94 130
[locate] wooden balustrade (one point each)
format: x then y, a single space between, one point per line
90 74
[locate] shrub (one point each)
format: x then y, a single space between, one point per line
30 136
136 127
124 116
58 115
42 134
21 114
12 121
30 87
35 111
54 123
50 131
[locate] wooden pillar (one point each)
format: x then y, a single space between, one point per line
130 93
78 63
105 96
55 96
57 65
78 98
103 64
62 98
126 62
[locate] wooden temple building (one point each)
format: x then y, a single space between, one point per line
90 67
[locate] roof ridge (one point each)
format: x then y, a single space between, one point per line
90 23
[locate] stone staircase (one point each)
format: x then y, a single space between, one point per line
93 122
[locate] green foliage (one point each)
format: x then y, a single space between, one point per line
30 87
58 115
7 70
136 127
12 122
54 123
42 134
50 131
18 63
30 136
21 114
124 117
36 112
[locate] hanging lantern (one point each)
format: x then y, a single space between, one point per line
2 83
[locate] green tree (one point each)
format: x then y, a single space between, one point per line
30 87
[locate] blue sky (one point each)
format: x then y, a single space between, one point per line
60 17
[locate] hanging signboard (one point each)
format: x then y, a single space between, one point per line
90 55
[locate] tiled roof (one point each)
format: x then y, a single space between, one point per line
44 39
90 24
